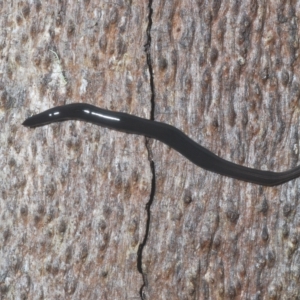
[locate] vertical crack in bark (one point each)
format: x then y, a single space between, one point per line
149 61
141 246
152 166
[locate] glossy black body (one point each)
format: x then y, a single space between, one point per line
165 133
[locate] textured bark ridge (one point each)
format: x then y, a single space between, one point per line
90 213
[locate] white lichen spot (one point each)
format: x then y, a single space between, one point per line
295 148
241 61
83 86
122 22
57 75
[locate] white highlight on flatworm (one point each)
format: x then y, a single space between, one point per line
102 116
56 113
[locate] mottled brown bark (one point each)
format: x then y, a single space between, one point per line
73 195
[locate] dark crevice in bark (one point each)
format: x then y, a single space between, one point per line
147 47
141 246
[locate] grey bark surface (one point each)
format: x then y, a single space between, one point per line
73 195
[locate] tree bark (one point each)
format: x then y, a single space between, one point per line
91 213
